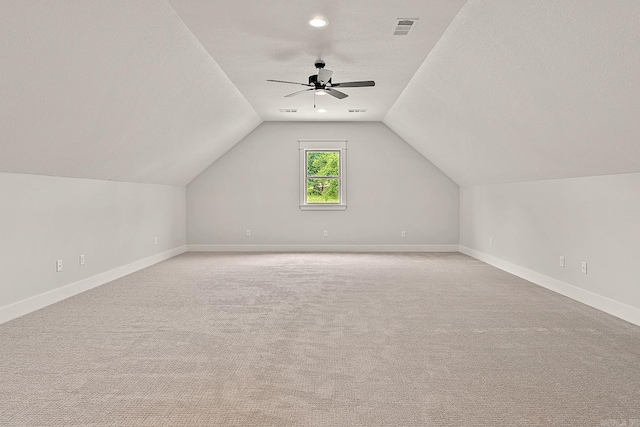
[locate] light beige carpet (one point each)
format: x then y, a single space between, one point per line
319 339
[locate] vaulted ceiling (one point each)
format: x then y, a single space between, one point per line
273 40
112 89
154 91
529 90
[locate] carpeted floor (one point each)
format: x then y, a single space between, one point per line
319 340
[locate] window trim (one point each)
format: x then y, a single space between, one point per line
339 145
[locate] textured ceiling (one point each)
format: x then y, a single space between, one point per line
112 89
528 90
256 40
512 90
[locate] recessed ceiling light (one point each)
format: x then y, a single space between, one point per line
321 92
322 110
318 22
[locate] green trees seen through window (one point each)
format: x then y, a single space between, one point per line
323 177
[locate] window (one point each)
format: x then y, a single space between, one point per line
323 181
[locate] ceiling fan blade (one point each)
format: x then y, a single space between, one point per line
336 93
291 83
354 84
324 75
299 92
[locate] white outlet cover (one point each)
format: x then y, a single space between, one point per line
561 261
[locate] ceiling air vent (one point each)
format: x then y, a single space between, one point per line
288 110
403 26
357 110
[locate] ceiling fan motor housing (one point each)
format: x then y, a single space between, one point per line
313 80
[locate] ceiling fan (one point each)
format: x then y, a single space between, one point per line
321 84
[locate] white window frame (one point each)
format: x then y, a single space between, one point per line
307 145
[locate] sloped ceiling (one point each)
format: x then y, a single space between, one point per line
112 89
528 90
512 90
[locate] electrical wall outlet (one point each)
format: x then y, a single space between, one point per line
561 261
155 240
403 234
59 265
326 233
584 267
82 259
490 241
248 233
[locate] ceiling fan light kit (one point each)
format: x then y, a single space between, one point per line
321 83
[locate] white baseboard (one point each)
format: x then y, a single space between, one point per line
613 307
37 302
323 248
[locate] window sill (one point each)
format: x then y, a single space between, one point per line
321 207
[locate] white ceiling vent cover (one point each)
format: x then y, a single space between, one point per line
403 26
357 110
288 110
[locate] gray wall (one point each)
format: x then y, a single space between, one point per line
593 219
255 186
43 219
